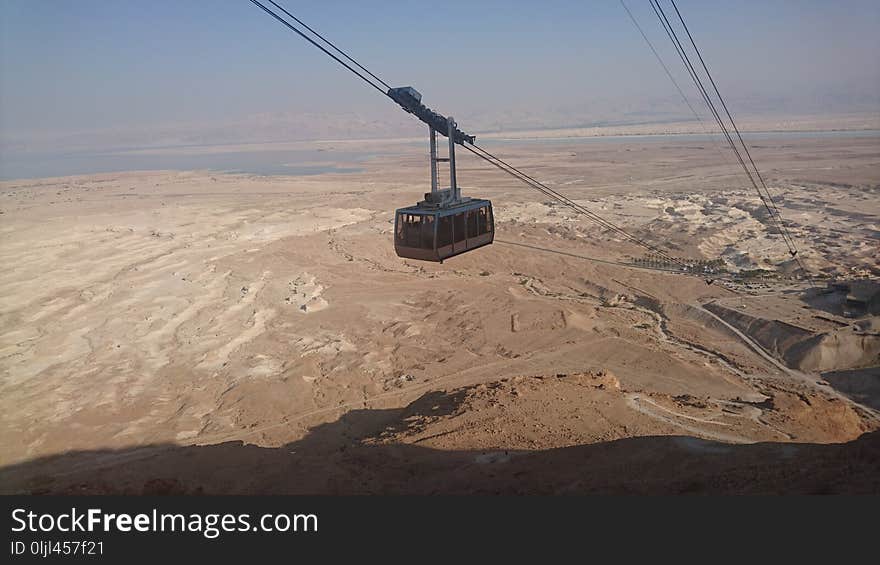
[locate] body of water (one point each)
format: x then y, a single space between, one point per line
688 137
298 162
260 162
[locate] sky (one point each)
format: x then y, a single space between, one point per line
72 67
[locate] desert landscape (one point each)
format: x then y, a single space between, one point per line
210 332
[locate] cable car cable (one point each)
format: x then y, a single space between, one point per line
541 187
774 217
506 167
316 44
769 204
793 245
682 54
670 31
679 48
328 42
674 82
724 105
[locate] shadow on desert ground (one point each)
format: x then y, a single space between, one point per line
361 453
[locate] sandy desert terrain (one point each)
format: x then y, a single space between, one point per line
228 333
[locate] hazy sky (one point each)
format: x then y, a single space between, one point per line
92 64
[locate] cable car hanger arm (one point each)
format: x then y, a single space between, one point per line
411 101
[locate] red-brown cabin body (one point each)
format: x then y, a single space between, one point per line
432 233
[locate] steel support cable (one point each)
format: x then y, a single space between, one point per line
516 173
774 213
674 82
679 48
321 47
701 89
328 42
682 53
591 215
735 128
670 31
546 190
616 263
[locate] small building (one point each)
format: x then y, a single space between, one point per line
863 297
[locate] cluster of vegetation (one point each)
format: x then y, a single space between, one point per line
707 266
756 274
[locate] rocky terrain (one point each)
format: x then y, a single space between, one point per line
202 332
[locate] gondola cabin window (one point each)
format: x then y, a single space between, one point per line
427 232
444 231
415 230
484 220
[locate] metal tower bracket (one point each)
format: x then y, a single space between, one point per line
411 101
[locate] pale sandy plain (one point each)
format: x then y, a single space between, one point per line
205 332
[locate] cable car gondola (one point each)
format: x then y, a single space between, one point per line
432 233
444 224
